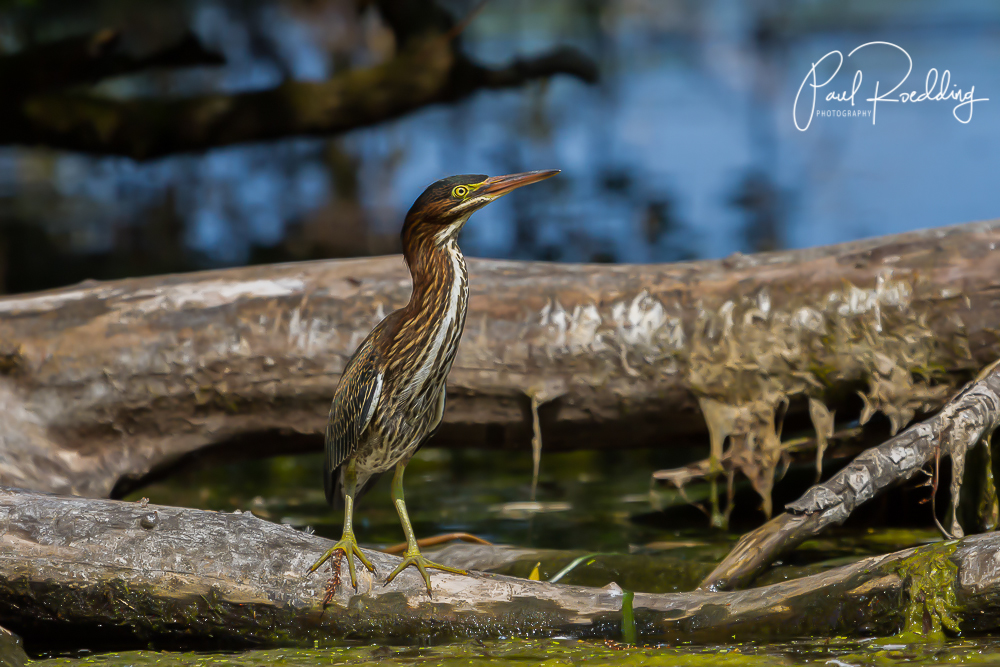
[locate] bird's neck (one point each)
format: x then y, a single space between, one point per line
440 277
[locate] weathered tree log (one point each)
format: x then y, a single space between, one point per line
964 422
103 383
126 573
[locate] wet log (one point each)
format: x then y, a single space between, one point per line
102 384
130 574
967 419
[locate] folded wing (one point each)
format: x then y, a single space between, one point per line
353 406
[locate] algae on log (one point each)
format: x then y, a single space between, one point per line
967 419
103 383
129 573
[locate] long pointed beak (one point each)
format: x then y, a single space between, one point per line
498 186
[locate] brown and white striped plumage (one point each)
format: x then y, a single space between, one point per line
392 393
391 396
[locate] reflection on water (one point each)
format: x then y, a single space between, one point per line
686 148
586 500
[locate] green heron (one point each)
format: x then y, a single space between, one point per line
391 396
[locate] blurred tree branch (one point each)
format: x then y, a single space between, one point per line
428 68
91 58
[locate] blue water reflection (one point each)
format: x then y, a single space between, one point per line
686 148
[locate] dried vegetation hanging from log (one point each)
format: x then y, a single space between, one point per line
749 359
969 418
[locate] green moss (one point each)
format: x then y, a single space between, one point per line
825 373
929 576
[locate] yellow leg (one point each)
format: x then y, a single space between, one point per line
412 555
347 543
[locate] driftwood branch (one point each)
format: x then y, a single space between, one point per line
105 383
968 418
127 573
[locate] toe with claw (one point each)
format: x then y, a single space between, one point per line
417 559
348 545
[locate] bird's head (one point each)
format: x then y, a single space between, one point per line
442 210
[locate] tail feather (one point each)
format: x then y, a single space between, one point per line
331 485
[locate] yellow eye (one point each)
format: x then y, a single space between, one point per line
460 192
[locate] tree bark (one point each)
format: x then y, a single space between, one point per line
129 574
103 383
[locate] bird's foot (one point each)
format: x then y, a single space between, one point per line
417 559
347 544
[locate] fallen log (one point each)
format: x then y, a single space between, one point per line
968 419
135 574
103 383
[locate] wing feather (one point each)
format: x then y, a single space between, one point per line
354 404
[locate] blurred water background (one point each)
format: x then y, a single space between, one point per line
686 148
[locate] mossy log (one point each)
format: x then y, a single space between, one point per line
967 420
108 571
103 383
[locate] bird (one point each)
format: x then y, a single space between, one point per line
391 395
